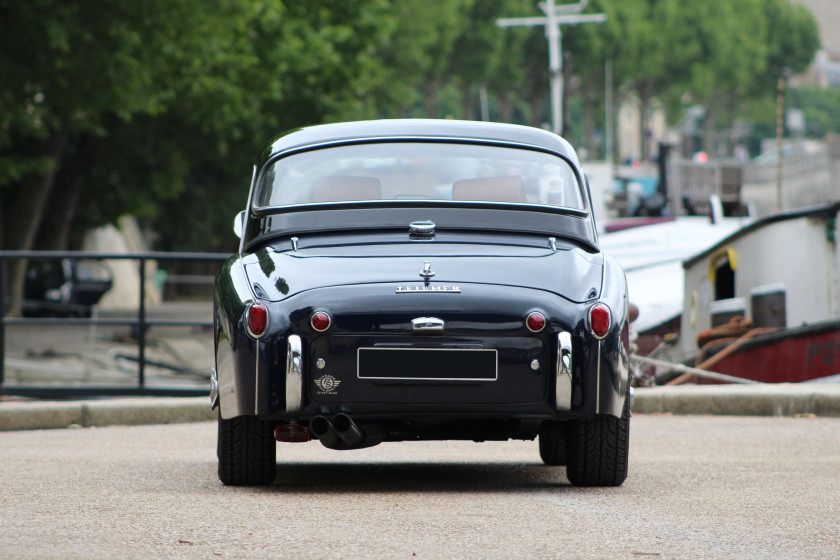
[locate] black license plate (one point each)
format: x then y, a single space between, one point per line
428 364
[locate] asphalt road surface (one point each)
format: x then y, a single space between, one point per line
699 487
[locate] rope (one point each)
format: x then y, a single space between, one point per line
693 371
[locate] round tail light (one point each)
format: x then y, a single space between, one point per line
320 321
535 321
257 319
599 320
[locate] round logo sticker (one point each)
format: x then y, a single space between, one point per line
327 384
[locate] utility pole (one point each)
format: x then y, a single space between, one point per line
608 109
780 130
555 16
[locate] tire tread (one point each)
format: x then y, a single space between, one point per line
247 452
598 450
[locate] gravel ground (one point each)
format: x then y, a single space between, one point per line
699 487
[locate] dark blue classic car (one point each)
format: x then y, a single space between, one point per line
405 280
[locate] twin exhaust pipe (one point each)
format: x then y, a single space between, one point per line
339 433
343 433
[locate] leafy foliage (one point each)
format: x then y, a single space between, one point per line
156 108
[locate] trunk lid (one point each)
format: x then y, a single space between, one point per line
570 272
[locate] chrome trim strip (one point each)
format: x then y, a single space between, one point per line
423 228
294 374
563 387
598 384
257 378
427 324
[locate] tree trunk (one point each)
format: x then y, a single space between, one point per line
467 102
54 234
25 216
536 111
709 122
564 106
505 107
588 140
644 121
732 134
430 98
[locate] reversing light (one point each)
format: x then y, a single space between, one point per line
599 320
320 321
535 321
257 319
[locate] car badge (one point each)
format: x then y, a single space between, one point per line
427 271
327 384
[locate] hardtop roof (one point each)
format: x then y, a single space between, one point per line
417 129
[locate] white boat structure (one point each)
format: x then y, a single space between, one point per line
759 300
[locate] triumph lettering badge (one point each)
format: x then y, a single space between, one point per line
441 289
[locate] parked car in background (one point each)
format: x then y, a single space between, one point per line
412 280
64 287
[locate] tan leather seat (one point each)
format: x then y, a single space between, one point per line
491 189
340 188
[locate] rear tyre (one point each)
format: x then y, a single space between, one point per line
247 452
598 450
553 444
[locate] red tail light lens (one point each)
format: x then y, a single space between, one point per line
599 320
257 319
535 321
320 321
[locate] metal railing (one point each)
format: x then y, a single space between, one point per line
139 325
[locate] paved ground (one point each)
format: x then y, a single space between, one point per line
699 487
745 400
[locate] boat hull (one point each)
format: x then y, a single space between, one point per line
787 356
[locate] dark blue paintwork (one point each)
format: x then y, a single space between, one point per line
350 260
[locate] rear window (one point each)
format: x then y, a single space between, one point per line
421 171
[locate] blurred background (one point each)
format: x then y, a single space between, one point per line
132 126
156 109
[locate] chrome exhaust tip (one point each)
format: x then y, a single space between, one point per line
347 429
323 429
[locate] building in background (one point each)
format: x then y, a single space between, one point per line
825 70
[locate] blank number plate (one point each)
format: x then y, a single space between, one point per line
428 364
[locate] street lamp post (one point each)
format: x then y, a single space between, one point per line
555 16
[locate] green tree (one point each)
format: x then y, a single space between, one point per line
78 70
476 52
120 107
792 39
419 53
